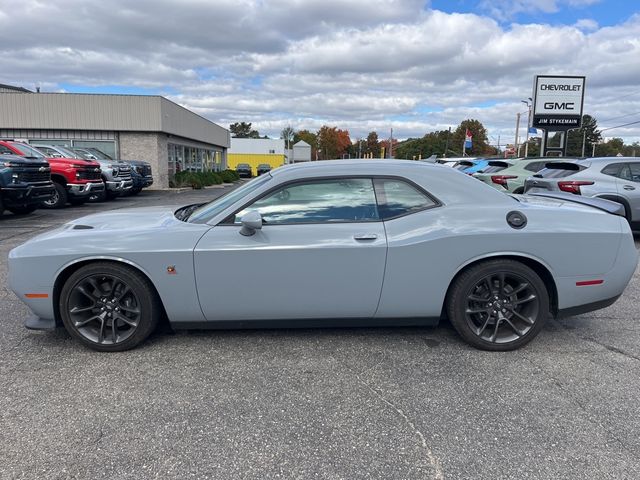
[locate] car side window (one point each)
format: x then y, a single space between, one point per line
535 166
612 169
625 172
397 198
318 201
5 151
634 169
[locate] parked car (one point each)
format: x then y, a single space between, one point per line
472 166
24 182
73 179
493 167
354 242
512 178
613 178
141 174
115 174
244 170
263 168
453 161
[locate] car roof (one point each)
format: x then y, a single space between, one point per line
339 166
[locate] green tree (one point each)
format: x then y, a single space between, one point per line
308 137
243 130
480 144
610 148
588 132
433 143
372 145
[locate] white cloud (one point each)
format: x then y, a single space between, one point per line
360 65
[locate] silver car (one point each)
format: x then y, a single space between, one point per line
364 242
612 178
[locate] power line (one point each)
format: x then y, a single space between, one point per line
620 126
621 116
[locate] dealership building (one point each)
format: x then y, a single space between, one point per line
127 127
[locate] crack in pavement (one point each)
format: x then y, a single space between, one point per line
611 348
433 460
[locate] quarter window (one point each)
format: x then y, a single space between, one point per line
535 166
320 201
396 198
613 170
635 172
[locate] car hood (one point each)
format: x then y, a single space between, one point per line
127 218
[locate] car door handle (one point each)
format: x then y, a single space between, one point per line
629 187
365 236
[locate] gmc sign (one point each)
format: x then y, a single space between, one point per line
557 102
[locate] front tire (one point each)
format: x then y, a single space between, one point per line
59 198
109 307
498 305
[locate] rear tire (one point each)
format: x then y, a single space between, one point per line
498 305
109 307
59 199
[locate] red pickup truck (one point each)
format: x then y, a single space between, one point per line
74 179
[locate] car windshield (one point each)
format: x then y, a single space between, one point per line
99 154
209 210
69 153
28 151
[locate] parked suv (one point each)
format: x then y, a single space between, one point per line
140 174
243 170
74 180
24 182
263 168
613 178
116 174
512 179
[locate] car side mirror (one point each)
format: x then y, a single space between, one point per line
251 221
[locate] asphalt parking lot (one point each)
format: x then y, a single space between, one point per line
379 403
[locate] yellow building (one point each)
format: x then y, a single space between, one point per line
256 151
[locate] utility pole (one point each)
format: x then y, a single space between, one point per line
446 145
517 133
584 138
529 104
391 144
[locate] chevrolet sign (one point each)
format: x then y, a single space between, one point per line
557 103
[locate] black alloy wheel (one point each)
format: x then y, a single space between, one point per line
109 307
498 305
59 198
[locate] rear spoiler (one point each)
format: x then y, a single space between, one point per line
499 163
600 203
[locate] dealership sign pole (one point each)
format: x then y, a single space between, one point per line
557 107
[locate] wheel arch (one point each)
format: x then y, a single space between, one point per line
58 178
542 270
70 268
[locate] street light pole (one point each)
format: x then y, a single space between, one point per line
517 132
529 104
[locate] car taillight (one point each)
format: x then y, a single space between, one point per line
502 179
572 187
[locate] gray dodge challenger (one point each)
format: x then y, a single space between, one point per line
333 243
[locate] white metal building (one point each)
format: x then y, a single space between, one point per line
128 127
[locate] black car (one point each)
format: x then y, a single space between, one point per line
263 168
244 170
24 183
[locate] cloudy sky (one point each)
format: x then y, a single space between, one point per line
411 65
